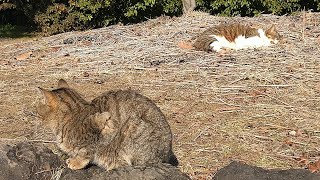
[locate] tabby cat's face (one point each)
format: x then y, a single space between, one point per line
58 105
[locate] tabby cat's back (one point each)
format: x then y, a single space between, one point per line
130 102
141 120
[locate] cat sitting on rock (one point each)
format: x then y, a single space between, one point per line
116 129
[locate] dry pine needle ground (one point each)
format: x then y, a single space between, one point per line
258 106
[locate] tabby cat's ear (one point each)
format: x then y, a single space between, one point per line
50 98
62 84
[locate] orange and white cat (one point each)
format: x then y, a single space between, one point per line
235 36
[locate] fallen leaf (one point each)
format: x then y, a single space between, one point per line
24 56
299 132
318 163
185 45
256 93
288 142
313 168
55 49
87 43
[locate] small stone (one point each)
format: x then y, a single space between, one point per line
85 74
98 81
292 133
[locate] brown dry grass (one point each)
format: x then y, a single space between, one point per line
239 106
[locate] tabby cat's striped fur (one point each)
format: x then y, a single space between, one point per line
118 128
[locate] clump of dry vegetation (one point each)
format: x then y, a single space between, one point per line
259 106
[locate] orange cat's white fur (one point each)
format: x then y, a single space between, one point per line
241 42
235 36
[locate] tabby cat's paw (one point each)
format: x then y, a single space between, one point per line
77 163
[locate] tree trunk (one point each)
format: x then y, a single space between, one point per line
188 5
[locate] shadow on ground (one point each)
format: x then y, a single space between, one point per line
12 31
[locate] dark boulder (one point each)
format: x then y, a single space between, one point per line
26 161
159 172
240 171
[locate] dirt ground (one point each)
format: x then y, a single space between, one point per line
259 106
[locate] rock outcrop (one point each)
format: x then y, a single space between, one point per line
240 171
26 161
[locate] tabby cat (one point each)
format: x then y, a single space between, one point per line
235 36
118 128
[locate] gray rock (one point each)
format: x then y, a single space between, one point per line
26 161
35 161
158 172
240 171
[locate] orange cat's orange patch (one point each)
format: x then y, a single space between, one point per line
185 45
23 56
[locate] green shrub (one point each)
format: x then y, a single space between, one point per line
62 16
56 16
255 7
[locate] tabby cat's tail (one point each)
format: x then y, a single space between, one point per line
173 159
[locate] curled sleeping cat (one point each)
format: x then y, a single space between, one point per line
118 128
235 36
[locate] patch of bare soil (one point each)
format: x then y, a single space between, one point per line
259 106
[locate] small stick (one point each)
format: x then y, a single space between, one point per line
8 139
263 137
277 126
43 171
275 85
181 135
303 23
208 150
277 99
237 80
206 129
35 140
43 141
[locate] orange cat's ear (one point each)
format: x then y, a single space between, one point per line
62 84
272 28
49 98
